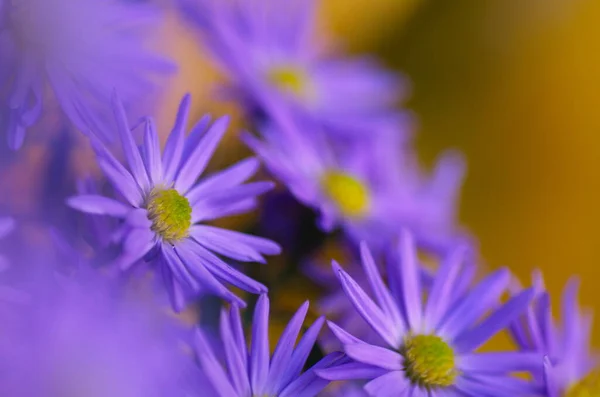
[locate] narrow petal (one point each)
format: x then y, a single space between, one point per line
375 355
225 179
122 181
480 299
98 205
309 384
212 367
392 384
283 350
410 281
223 271
175 142
235 245
440 297
259 356
499 319
300 354
351 371
198 159
500 363
152 151
137 243
130 149
343 336
382 294
367 308
234 357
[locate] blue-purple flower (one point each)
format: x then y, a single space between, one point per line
86 336
234 371
268 50
164 208
430 345
77 50
571 367
371 190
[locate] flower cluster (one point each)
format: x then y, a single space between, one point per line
141 290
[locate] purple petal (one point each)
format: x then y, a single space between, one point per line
351 371
212 367
99 205
235 357
392 384
152 151
226 179
283 350
232 244
259 356
481 298
375 355
410 281
196 163
500 363
130 150
300 354
367 308
382 294
309 384
502 317
175 142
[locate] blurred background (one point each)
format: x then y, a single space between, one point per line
513 84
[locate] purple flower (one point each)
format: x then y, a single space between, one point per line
88 337
82 50
163 207
254 373
267 49
430 346
571 367
371 190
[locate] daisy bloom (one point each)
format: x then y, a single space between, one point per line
253 373
369 191
164 209
571 367
430 345
267 49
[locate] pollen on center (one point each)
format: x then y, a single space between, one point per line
429 361
170 213
347 192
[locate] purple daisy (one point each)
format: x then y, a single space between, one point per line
430 346
254 373
371 192
86 336
81 50
571 367
267 49
164 208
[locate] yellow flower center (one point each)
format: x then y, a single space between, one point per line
348 193
429 361
290 79
587 387
170 213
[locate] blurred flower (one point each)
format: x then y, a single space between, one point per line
88 337
267 48
571 368
253 373
164 206
431 346
82 50
7 292
371 190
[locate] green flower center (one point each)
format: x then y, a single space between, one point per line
429 361
587 387
348 193
290 79
170 213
